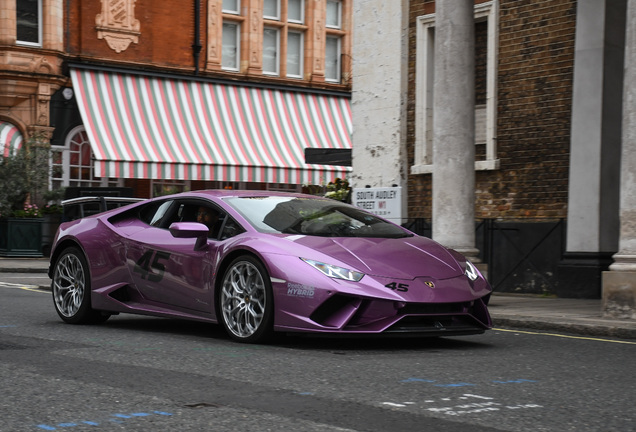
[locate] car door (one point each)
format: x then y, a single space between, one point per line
169 270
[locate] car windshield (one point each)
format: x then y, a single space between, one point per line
313 217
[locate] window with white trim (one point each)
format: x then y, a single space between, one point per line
231 6
231 54
72 164
271 9
271 45
231 36
333 41
295 52
332 58
284 38
486 25
29 22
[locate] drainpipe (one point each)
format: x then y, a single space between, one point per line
196 46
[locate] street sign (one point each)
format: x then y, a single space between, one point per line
384 202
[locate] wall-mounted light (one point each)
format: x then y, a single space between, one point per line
67 93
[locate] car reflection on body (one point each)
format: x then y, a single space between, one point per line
270 262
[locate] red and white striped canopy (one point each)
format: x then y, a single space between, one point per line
162 128
10 138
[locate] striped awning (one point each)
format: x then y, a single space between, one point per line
10 138
164 128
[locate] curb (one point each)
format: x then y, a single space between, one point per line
23 270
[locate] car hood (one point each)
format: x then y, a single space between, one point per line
404 258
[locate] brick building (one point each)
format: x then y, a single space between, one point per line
164 95
507 116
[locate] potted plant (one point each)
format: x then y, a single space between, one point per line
339 190
23 175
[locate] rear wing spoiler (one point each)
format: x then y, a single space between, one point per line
77 208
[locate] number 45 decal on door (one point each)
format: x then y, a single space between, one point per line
152 268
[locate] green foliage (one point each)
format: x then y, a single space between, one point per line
23 176
339 190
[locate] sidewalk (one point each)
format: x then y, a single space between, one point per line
577 316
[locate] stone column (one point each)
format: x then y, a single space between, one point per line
7 23
53 25
619 284
454 127
592 224
379 100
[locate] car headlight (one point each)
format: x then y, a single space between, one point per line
471 271
334 271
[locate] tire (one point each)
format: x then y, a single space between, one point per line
246 303
71 288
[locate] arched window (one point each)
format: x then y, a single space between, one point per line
73 164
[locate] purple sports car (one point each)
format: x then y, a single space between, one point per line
264 262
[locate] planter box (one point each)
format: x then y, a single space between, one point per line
21 237
49 229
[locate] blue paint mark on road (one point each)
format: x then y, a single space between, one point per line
519 381
461 384
417 380
118 418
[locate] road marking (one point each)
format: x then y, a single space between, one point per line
114 418
33 288
565 336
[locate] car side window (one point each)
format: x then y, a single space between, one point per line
160 214
230 229
154 212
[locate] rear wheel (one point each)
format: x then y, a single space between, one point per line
246 301
71 288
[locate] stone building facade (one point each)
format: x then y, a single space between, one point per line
545 89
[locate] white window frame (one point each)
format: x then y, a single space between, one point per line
277 71
236 67
65 180
300 53
236 11
302 13
40 25
272 17
339 24
425 61
338 59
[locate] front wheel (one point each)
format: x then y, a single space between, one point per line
246 301
71 288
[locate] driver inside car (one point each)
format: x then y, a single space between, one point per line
209 218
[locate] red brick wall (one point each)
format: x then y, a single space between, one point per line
536 60
166 27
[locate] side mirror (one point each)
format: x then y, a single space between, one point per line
191 230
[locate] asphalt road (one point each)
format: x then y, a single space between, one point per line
138 373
